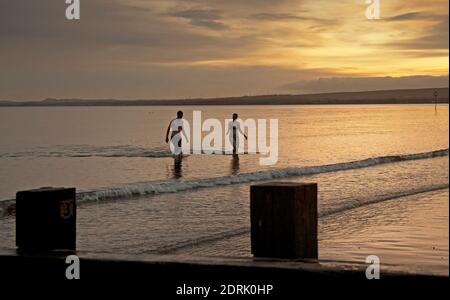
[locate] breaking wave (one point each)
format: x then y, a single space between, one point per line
163 187
154 188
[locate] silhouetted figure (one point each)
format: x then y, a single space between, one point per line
235 165
234 128
176 128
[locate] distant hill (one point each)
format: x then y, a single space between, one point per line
370 97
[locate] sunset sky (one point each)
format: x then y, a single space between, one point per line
141 49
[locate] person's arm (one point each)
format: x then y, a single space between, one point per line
168 131
240 130
185 135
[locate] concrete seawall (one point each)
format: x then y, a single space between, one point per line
127 267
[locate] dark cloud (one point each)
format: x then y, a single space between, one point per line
116 28
279 17
234 5
433 38
355 84
432 35
209 18
289 17
413 16
210 24
102 21
148 83
431 42
199 14
122 50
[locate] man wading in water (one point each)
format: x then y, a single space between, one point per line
176 126
234 127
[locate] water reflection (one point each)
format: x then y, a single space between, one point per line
235 164
177 171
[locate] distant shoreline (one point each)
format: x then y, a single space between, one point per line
403 96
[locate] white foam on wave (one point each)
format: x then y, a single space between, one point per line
119 151
85 151
154 188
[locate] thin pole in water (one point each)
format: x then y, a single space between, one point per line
436 94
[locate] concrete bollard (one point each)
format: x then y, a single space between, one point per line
284 220
46 219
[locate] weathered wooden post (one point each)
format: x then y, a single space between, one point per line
46 219
284 220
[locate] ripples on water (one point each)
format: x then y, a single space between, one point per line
107 149
95 147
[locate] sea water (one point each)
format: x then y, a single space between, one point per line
135 198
